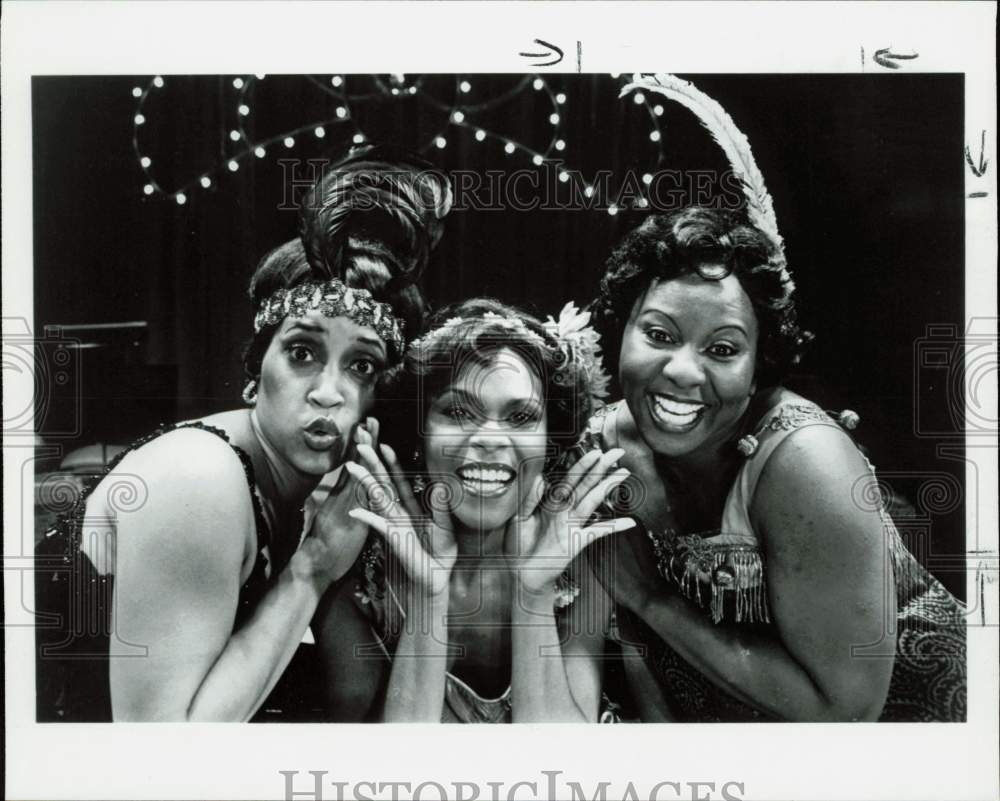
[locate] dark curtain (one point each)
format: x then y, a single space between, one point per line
866 174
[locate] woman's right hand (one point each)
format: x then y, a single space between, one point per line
424 546
630 570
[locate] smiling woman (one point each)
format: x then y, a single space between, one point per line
460 616
815 609
209 578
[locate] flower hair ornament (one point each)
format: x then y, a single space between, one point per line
332 298
759 205
572 335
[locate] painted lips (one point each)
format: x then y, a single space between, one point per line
675 415
322 434
486 480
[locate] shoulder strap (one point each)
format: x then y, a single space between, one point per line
775 426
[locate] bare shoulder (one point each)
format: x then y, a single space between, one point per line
186 482
816 476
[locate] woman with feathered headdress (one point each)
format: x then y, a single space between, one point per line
767 582
189 603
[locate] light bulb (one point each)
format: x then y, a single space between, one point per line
458 116
560 144
320 132
341 112
358 138
654 136
145 161
538 83
560 98
441 142
336 80
234 135
181 198
639 98
259 152
139 119
206 181
148 189
136 92
658 110
238 83
564 177
589 191
289 141
554 119
480 135
536 160
509 147
233 165
647 179
465 86
158 82
244 110
260 76
612 210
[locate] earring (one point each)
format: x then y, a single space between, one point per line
250 392
747 445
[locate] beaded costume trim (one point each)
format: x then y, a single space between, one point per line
725 569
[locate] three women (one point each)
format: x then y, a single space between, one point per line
469 601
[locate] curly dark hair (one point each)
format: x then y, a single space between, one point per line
433 364
711 243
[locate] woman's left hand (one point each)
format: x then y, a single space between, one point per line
540 542
338 536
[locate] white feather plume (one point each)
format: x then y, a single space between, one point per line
760 207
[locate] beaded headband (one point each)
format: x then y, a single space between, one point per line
332 298
572 335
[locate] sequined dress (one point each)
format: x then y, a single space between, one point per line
723 572
73 603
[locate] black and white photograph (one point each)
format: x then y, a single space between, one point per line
507 390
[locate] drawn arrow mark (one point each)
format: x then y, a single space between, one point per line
552 51
888 59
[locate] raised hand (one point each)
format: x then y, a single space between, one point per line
540 542
335 538
424 546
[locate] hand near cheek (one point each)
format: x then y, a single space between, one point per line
335 537
426 548
540 542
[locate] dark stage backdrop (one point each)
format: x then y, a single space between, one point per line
866 174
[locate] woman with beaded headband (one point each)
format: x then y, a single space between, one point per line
209 579
767 582
461 605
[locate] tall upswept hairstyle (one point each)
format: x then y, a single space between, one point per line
371 221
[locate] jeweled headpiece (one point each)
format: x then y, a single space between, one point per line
571 336
332 298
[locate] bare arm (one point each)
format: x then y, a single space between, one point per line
426 549
552 680
829 589
554 677
177 582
